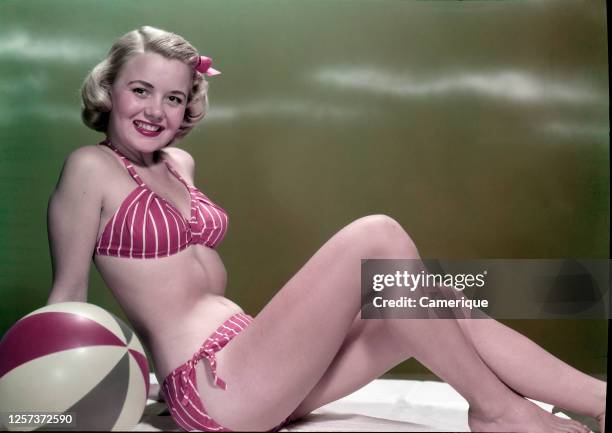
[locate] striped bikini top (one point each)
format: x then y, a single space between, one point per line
146 226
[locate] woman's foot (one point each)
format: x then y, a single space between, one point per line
522 416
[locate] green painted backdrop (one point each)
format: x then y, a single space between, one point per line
481 126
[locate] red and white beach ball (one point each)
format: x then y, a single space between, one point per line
78 358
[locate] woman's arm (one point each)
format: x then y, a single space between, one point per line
73 218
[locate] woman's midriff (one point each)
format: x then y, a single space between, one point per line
173 304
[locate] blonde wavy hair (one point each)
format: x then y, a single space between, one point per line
96 87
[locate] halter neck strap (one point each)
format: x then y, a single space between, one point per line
128 164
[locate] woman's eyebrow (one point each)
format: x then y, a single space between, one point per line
144 83
179 92
150 86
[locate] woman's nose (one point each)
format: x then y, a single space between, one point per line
154 111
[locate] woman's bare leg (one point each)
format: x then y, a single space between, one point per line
281 356
369 351
290 345
520 363
533 372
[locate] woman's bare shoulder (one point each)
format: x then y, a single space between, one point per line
182 161
87 162
90 156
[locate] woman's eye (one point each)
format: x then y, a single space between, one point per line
139 91
175 100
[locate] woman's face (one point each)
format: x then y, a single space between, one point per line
149 97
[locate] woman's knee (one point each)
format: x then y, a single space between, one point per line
385 236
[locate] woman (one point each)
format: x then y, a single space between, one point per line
152 235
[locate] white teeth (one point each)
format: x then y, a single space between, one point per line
147 127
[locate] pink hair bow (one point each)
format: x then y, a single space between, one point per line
204 66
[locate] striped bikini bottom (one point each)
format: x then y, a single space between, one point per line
180 389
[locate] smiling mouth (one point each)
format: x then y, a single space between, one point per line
148 127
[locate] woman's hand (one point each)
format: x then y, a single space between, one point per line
73 218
